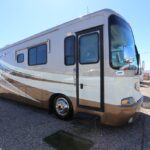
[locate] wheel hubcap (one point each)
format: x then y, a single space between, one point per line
62 106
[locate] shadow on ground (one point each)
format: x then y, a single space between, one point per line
146 102
146 83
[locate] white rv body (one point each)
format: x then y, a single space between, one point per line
93 88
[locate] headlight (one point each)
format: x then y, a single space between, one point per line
127 101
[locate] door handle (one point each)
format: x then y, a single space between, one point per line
81 86
74 70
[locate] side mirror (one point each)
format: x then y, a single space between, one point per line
138 61
143 65
137 56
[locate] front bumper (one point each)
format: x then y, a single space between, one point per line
119 115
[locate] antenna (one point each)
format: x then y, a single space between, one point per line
87 10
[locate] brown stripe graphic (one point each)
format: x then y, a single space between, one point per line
24 75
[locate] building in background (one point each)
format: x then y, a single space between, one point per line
146 75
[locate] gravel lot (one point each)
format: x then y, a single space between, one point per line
23 128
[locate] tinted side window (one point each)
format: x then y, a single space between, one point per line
20 58
32 56
70 50
89 48
42 54
37 55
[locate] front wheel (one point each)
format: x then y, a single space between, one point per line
63 107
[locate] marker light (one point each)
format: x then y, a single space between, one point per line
127 101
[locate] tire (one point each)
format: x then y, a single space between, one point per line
63 107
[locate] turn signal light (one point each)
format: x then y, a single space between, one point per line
127 101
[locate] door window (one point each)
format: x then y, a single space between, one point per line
89 48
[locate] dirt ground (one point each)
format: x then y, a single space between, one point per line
23 128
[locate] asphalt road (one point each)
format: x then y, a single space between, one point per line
23 127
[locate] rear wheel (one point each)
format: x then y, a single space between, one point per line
63 107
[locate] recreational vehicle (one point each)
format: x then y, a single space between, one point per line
87 65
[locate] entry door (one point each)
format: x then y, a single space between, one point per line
90 72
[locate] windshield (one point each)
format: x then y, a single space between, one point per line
122 46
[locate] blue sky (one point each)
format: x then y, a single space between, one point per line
22 18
